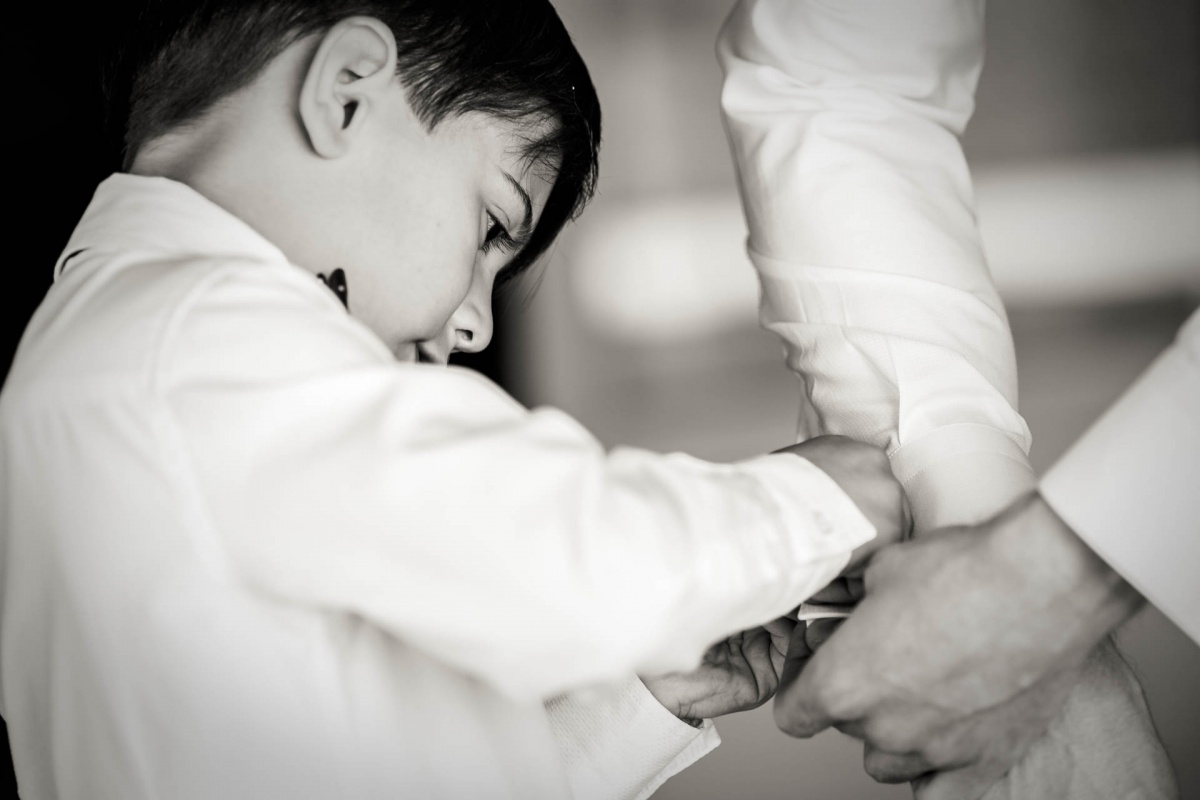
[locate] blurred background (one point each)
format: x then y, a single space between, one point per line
1085 148
1086 153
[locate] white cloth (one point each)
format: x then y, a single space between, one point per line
844 121
245 553
1130 487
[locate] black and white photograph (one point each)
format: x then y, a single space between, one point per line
601 400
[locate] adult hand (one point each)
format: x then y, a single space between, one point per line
864 473
737 674
1101 745
962 651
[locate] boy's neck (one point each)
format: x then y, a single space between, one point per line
246 154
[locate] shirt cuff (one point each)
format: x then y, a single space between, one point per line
824 525
1128 488
961 475
620 743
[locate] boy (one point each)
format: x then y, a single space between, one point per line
253 547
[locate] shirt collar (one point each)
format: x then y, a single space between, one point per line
150 214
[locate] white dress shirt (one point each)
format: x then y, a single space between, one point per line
844 121
245 553
1130 487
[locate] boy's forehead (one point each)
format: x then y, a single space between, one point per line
524 144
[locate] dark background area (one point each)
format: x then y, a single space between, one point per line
59 148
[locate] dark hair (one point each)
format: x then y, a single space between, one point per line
508 58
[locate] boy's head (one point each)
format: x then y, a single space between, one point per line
426 147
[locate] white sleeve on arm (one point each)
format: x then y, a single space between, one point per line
619 743
504 542
844 121
1130 488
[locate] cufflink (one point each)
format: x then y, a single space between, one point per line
811 611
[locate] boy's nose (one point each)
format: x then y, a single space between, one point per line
471 327
465 341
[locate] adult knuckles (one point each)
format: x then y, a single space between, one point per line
811 704
886 767
945 750
791 718
885 562
836 692
893 735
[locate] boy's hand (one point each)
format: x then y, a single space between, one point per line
737 674
864 473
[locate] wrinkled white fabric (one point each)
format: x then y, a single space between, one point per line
1130 487
245 553
844 121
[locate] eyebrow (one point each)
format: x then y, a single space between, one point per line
521 235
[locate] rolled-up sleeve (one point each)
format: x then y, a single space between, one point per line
505 542
844 120
1130 487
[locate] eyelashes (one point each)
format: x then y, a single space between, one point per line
496 236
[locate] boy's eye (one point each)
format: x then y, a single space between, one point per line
496 235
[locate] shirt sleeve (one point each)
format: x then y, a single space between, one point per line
844 121
1130 487
505 542
620 743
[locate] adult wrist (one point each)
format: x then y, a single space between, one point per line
1067 574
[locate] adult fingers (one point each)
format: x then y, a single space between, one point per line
819 631
967 783
798 654
892 767
843 590
796 712
780 631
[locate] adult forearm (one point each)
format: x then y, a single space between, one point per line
1078 590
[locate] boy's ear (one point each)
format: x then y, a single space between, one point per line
354 63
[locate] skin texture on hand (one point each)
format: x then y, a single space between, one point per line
1101 744
742 672
963 652
737 674
864 473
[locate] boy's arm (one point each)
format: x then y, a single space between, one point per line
844 122
507 543
619 743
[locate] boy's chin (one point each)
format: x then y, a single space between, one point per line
414 353
406 352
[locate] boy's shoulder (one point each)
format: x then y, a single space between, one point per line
137 319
